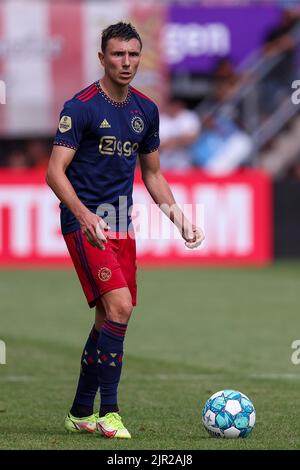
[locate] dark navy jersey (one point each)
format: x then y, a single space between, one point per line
107 137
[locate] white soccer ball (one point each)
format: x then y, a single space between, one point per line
228 414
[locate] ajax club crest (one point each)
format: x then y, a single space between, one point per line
104 274
137 124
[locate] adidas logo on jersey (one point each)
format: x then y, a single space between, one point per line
104 124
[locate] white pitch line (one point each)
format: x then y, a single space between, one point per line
274 376
17 378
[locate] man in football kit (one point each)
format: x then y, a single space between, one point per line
102 130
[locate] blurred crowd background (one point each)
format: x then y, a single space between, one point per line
228 111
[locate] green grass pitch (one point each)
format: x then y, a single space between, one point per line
194 332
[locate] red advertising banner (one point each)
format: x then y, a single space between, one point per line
235 213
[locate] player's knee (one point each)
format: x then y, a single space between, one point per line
121 313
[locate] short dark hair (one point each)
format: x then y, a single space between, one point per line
119 30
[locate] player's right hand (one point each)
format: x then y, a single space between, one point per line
95 230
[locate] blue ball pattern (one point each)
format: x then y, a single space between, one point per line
230 421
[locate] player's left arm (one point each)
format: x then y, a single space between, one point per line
161 193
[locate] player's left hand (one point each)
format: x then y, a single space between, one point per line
193 236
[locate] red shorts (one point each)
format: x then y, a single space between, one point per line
102 271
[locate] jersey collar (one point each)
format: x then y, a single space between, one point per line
117 104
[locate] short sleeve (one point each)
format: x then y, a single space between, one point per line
151 140
72 123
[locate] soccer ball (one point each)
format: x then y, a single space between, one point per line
229 414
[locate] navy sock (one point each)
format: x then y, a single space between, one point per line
88 384
110 346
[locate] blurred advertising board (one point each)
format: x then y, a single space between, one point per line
196 36
235 212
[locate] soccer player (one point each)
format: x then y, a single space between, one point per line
102 130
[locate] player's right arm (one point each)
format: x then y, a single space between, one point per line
56 178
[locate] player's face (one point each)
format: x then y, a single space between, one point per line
121 60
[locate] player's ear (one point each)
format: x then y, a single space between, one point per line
101 57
